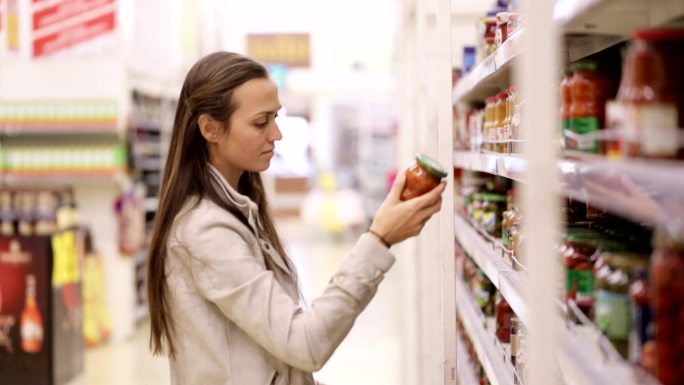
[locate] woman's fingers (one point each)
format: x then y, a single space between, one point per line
397 187
430 197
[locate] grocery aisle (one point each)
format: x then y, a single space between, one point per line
372 349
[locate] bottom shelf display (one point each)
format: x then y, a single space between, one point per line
494 357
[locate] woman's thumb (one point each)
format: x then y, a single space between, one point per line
398 186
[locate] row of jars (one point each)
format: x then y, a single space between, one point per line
643 111
494 128
634 296
635 112
36 212
508 329
494 29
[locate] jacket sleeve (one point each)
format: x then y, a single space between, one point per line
229 275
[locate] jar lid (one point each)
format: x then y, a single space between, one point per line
494 197
659 34
586 238
585 66
431 165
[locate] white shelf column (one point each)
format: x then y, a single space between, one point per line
539 84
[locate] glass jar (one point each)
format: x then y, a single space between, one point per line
508 217
566 99
489 23
422 177
612 310
484 290
588 90
493 207
501 106
667 297
488 123
501 28
503 316
643 332
516 116
577 251
646 115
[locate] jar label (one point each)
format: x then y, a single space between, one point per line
613 316
489 222
582 127
579 284
654 126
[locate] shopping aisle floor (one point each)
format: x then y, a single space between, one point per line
371 354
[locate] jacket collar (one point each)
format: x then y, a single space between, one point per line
247 207
242 202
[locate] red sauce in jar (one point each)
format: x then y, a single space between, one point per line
667 298
421 177
650 96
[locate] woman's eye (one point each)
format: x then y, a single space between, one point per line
261 124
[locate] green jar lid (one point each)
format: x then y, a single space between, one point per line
585 66
582 236
494 197
431 165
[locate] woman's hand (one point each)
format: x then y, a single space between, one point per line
397 220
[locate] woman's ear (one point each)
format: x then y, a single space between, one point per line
209 128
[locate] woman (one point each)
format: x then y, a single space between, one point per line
223 295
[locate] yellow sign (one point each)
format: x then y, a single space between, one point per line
289 49
65 269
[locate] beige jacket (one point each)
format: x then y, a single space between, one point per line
237 323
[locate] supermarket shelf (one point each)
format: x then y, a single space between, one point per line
582 361
614 17
490 75
508 166
491 357
644 191
465 372
65 130
495 267
63 177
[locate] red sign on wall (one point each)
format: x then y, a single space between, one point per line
65 10
74 34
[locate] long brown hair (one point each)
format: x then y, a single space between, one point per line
208 89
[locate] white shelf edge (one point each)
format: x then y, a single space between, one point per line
566 11
497 371
654 177
582 363
508 166
490 66
495 268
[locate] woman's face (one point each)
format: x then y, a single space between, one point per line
249 143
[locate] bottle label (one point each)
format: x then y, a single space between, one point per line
31 332
613 316
582 127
